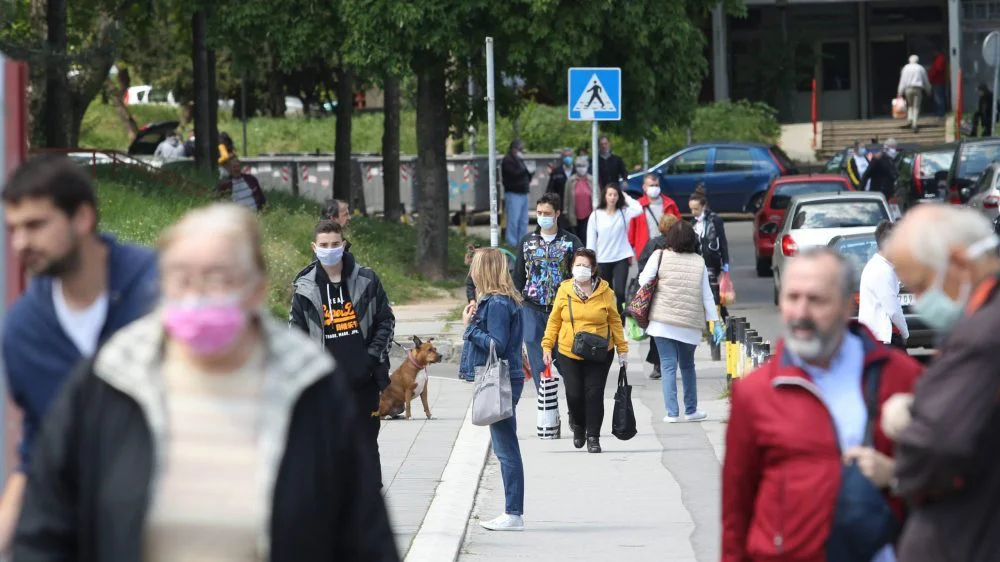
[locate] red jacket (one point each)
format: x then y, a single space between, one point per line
782 467
638 232
938 73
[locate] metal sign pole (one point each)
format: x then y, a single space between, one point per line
996 83
595 158
492 123
645 154
243 112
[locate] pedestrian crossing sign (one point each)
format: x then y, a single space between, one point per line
595 94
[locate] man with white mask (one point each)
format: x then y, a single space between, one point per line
343 307
948 432
655 204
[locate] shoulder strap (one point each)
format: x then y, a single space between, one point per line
872 379
650 212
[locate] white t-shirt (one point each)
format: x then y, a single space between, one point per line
242 195
83 326
548 237
653 216
607 234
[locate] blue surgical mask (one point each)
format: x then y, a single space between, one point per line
546 222
891 152
862 151
329 256
567 161
935 307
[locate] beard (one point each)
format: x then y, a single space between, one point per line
63 265
815 346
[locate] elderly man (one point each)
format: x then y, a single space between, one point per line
802 434
947 456
913 84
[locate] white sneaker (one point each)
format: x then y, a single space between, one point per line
698 415
505 522
671 419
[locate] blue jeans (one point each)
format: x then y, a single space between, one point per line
673 354
534 321
503 435
516 207
940 99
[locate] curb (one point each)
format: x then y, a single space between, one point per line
442 532
447 345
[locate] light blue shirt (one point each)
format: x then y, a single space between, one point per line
841 392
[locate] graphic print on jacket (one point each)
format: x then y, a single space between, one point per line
341 330
546 265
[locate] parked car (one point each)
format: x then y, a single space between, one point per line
923 171
771 213
972 156
984 195
735 174
814 219
146 94
150 136
859 249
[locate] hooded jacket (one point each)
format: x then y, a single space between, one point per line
93 479
38 354
598 316
638 231
371 304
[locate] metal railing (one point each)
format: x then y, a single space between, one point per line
102 159
746 349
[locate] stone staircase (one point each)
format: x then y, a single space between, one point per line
839 134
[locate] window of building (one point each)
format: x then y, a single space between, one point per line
836 65
691 162
733 160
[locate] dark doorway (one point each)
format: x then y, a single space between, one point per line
888 58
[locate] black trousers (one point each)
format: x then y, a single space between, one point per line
653 356
616 274
581 229
585 382
897 341
366 400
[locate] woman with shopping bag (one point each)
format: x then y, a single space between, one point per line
587 327
493 338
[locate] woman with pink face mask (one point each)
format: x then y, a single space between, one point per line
205 431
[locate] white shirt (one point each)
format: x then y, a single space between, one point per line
607 234
659 329
83 326
879 308
699 225
913 75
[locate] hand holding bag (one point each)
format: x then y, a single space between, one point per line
623 418
493 397
548 423
638 307
588 346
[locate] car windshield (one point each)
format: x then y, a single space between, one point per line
934 162
857 251
973 158
839 214
783 158
783 193
834 164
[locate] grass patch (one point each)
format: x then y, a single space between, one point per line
137 210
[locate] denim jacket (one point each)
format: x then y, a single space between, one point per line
497 318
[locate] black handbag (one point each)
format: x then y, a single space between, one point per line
863 522
623 418
588 346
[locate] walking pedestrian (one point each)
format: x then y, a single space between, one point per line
879 309
342 306
938 78
241 188
607 236
496 321
85 286
913 84
804 425
712 242
611 168
947 456
983 117
654 205
584 304
558 178
857 164
881 174
544 260
579 202
681 305
516 183
205 430
657 243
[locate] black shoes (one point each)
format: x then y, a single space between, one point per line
578 438
655 375
593 444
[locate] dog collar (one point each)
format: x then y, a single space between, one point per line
409 357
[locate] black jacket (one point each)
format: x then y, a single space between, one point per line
378 323
557 182
89 485
658 243
713 245
540 267
882 173
612 170
514 174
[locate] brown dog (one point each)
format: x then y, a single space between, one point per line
409 380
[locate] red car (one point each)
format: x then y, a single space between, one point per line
767 219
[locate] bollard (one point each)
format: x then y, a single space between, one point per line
715 348
741 334
747 349
755 351
730 340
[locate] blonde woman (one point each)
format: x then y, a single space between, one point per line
207 385
496 319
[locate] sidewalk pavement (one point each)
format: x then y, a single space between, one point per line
430 319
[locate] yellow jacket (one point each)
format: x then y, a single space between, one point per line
594 316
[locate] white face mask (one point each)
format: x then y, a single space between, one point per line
581 170
653 191
581 273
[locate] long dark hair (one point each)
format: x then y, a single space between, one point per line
603 203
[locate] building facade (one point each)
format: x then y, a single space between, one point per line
854 50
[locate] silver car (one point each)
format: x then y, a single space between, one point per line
984 195
815 219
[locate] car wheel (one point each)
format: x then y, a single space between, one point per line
776 288
763 267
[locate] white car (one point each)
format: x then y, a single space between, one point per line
984 195
815 219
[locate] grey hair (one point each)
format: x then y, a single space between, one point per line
953 227
914 59
845 272
891 143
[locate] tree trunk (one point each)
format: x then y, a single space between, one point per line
213 106
432 172
202 112
57 108
390 150
275 88
342 147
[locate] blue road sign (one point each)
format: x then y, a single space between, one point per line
595 94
